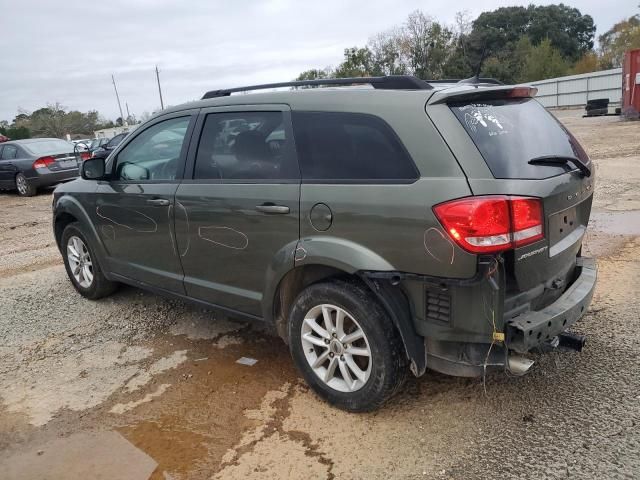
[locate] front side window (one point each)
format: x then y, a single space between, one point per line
245 146
9 152
350 148
155 153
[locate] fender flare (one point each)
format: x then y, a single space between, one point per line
70 205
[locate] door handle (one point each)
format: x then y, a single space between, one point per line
160 202
271 208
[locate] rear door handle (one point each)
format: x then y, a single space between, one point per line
160 202
271 208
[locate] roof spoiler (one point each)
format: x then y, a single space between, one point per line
476 94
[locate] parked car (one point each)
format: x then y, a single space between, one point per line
82 145
104 150
97 143
3 138
26 165
409 226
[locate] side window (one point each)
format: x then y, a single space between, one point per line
350 148
8 152
155 153
245 146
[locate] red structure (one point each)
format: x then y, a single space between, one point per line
631 84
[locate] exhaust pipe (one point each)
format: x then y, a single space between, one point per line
518 365
572 341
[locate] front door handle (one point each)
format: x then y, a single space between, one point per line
271 208
160 202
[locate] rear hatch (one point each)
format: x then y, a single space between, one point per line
56 155
495 133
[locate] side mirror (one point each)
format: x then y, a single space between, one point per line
92 169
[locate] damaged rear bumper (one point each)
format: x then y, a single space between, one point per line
532 329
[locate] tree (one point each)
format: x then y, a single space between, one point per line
568 31
623 36
386 54
588 63
54 121
543 61
358 62
426 45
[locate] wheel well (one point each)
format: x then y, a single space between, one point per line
61 223
293 283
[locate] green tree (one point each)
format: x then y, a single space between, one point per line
568 31
543 61
623 36
313 74
358 62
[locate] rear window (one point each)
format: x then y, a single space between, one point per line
48 147
511 132
350 148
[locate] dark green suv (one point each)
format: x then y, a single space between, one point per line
380 230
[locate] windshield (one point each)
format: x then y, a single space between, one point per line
48 147
511 132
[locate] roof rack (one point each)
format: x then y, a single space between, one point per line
389 82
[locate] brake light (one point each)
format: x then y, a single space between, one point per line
85 156
43 162
492 224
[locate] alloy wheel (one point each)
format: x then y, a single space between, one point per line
21 184
80 261
336 348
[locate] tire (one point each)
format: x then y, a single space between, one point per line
23 187
98 286
381 374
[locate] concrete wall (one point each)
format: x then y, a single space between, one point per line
575 90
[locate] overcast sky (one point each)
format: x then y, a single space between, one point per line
66 51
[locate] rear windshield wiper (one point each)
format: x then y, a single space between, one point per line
562 160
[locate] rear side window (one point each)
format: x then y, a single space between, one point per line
511 132
350 148
245 146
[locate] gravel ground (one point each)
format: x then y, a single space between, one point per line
151 388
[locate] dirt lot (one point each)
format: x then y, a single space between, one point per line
136 386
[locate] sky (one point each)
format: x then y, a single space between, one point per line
66 52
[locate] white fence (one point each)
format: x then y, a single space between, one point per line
575 90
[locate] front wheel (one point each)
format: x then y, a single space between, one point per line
345 345
82 265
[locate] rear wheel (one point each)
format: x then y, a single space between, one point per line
23 187
82 265
345 345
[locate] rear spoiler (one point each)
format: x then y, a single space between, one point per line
481 92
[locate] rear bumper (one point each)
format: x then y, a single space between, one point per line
531 329
52 178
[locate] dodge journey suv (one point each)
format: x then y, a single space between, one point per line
381 229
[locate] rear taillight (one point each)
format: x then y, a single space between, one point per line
85 156
43 162
492 224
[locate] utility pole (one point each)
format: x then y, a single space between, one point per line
118 98
128 114
159 89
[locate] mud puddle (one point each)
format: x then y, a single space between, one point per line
183 417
